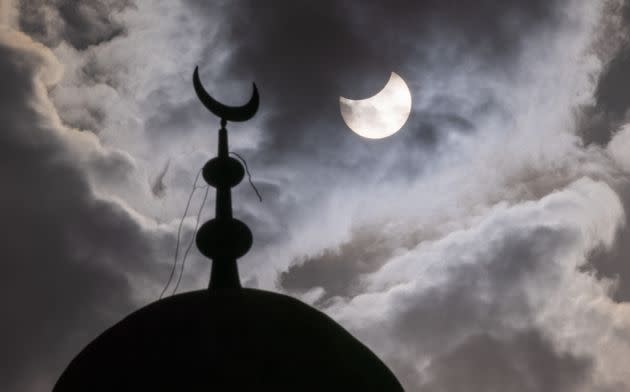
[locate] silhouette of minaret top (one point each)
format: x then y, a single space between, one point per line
226 337
224 238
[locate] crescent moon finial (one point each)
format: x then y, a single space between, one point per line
225 112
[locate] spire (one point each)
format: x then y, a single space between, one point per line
224 239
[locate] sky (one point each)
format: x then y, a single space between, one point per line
483 247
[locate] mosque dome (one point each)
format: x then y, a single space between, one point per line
226 338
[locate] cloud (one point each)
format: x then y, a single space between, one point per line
525 362
68 254
604 122
478 244
600 118
494 281
81 25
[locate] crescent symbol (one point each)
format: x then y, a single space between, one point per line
225 112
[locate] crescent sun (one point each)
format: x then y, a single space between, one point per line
382 114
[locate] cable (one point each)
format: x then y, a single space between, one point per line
179 230
181 270
179 233
249 176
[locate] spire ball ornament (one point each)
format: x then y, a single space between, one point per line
224 239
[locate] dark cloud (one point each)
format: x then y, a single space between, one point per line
600 120
66 255
524 362
157 185
339 271
613 263
80 24
484 296
303 56
598 123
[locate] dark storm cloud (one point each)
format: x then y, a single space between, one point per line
521 363
304 55
339 271
66 254
79 23
613 263
485 296
598 123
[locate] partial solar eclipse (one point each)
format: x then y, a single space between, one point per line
381 115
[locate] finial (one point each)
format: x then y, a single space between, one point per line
224 238
225 112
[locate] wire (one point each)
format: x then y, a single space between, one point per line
249 176
179 234
181 222
181 270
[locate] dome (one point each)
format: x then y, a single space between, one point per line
227 340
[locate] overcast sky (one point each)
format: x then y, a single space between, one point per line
484 247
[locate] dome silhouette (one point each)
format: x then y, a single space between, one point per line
226 338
